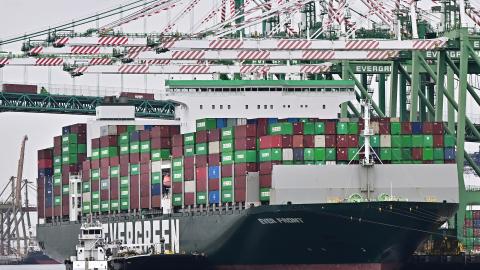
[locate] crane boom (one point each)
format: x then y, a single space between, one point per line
18 186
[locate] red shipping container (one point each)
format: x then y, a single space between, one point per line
114 188
144 135
114 161
177 140
189 198
245 131
95 143
95 164
213 184
156 201
134 157
144 182
177 187
308 141
240 195
201 160
330 141
121 129
57 211
145 202
201 173
265 180
85 175
144 157
65 180
57 191
298 128
214 135
342 153
427 127
243 168
201 136
438 128
177 151
214 159
417 153
80 128
342 141
57 142
86 165
45 163
104 195
438 141
246 143
161 143
406 128
330 127
95 185
287 141
240 182
104 172
352 140
20 88
81 138
188 174
123 169
201 185
262 130
108 141
134 192
57 151
124 159
188 162
174 129
266 167
74 168
384 128
144 167
65 205
227 170
297 141
104 162
48 212
45 153
160 132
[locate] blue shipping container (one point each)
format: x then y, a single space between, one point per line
417 128
214 196
135 136
148 127
156 189
45 172
66 130
476 223
298 154
221 122
292 120
213 172
272 120
251 121
449 153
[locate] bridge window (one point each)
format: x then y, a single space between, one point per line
284 106
221 107
201 107
213 107
246 107
288 106
271 107
228 106
265 107
258 107
306 106
323 106
301 106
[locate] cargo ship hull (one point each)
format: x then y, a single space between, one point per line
287 235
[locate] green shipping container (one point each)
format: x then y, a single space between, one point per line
95 207
427 153
189 150
57 170
124 149
319 154
406 154
319 128
86 207
226 146
427 141
114 171
396 154
201 149
227 183
95 153
385 154
69 149
342 128
264 194
406 141
124 204
85 187
114 205
284 128
65 190
145 147
206 124
123 138
57 180
104 184
396 141
246 156
449 140
227 196
69 139
273 154
95 196
395 128
309 128
469 232
57 200
124 193
374 141
81 148
156 177
177 176
134 169
352 128
352 154
70 159
227 158
108 152
308 154
95 174
134 147
469 214
177 200
160 154
124 182
189 138
227 133
330 154
57 160
319 162
417 140
201 198
177 164
105 206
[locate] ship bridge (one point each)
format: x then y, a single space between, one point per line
257 98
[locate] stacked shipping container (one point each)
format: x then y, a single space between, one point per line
472 230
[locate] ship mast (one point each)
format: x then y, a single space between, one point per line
367 132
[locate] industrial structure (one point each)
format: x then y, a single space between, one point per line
422 59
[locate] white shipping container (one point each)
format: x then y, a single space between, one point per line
139 127
86 197
214 147
330 162
189 186
287 154
319 141
241 121
385 141
156 166
375 127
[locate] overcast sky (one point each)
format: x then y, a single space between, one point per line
21 16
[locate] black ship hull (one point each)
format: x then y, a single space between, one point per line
311 235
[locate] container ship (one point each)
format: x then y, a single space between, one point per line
252 175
